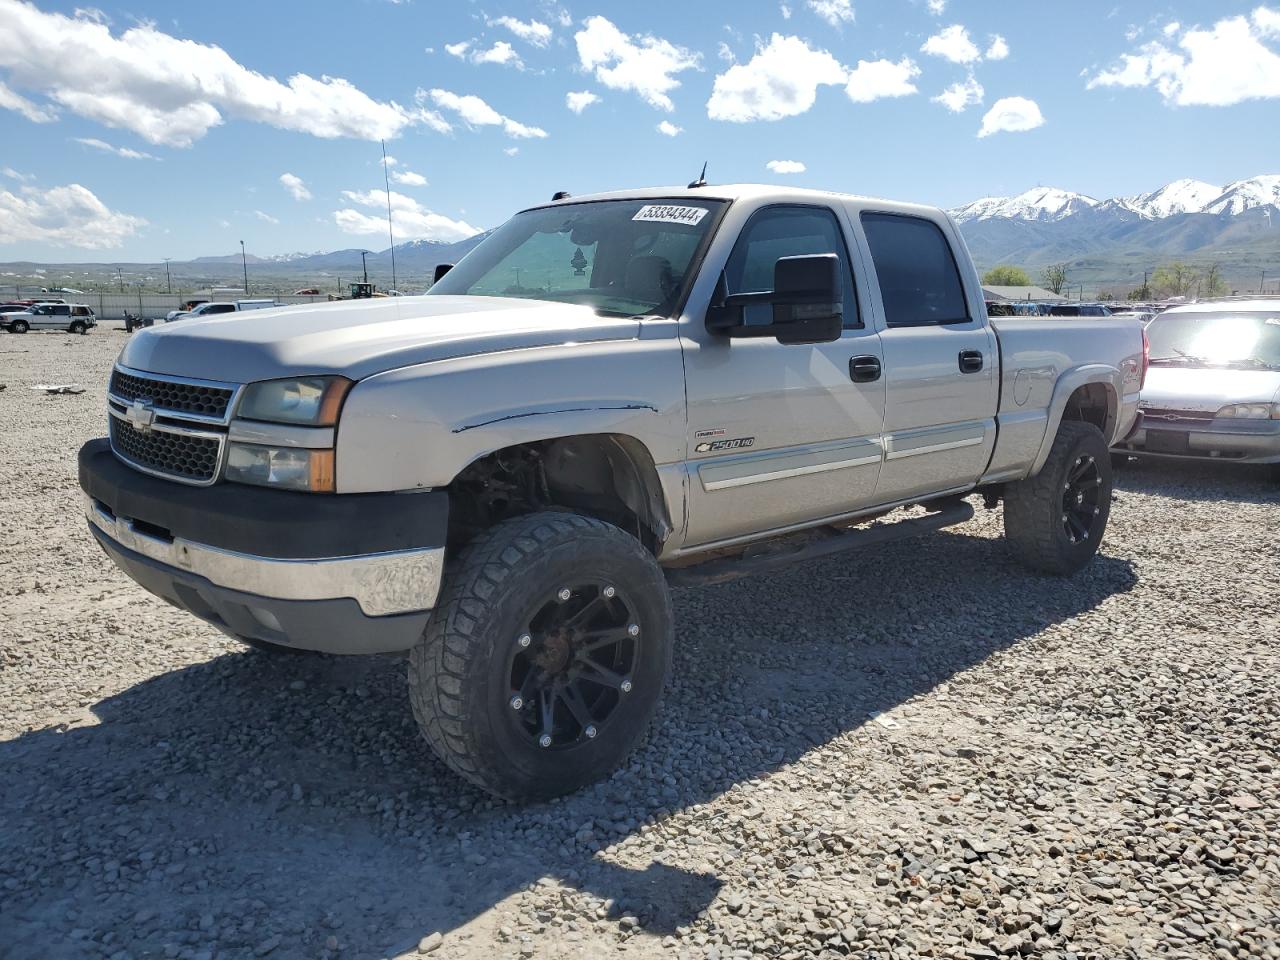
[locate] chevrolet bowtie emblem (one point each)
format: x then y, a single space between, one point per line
141 414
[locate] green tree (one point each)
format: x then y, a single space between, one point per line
1173 279
1006 276
1054 277
1214 285
1141 293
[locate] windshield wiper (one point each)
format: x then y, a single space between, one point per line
1180 358
1254 362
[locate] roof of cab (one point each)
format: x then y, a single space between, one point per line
749 191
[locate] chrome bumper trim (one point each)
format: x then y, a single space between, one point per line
401 581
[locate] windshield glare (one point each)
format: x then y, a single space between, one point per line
624 258
1216 338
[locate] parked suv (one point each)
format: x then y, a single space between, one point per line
72 317
607 395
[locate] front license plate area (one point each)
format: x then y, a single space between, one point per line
1167 441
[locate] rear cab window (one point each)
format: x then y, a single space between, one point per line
919 279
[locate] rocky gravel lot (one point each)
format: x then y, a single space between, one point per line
926 752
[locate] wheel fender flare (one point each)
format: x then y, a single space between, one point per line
1071 381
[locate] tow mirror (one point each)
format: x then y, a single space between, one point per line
806 304
441 270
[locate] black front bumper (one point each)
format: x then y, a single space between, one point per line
295 569
264 522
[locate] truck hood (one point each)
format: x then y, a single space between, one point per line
357 338
1207 389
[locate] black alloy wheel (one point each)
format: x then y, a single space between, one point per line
1081 498
571 667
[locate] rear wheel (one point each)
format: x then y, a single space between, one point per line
546 658
19 326
1054 521
77 326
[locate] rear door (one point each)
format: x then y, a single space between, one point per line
782 434
940 360
52 316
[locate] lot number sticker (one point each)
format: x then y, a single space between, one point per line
668 213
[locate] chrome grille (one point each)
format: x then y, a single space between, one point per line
1157 416
171 427
200 399
181 456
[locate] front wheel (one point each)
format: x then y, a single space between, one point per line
1054 521
19 326
546 658
78 327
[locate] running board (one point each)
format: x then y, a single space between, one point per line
948 513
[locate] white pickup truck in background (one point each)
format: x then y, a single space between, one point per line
607 395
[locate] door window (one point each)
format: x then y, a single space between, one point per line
776 232
919 280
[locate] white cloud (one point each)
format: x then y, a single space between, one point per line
1171 29
785 11
476 113
781 80
936 7
127 152
876 79
786 166
458 49
265 217
835 12
1216 67
669 129
579 101
510 151
1011 115
501 53
533 31
953 44
408 178
173 91
411 220
644 64
960 96
12 100
297 189
15 175
725 53
999 48
70 216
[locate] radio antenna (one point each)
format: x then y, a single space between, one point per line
702 178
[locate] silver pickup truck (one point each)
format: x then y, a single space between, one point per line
610 394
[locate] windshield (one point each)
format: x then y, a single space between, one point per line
1216 339
625 258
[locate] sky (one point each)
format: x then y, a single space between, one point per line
129 132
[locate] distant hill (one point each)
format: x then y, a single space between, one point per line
1114 241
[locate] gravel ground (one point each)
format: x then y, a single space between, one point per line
928 753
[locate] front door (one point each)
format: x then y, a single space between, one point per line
779 434
941 362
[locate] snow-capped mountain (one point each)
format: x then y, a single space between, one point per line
1050 204
1244 195
1181 196
1041 203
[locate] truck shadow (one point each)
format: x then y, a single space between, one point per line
251 795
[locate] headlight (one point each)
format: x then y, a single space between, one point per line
310 401
1251 411
289 468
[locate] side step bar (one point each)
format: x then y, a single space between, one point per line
948 513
